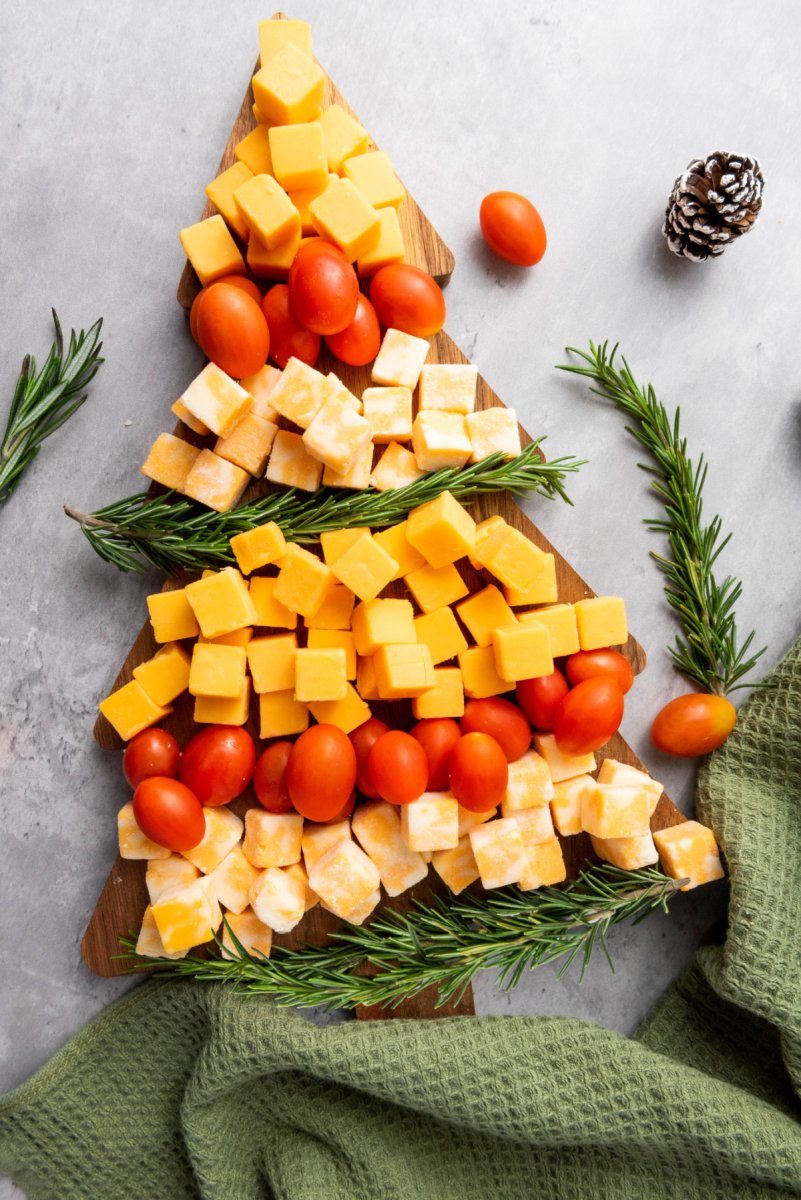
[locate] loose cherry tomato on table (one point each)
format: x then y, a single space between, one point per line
289 338
240 281
269 778
363 739
169 813
513 228
502 721
151 752
478 772
398 767
539 698
323 288
693 725
588 715
321 772
408 299
361 341
437 736
587 664
232 330
218 763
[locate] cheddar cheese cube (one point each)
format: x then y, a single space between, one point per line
337 541
374 177
442 530
334 613
337 436
625 776
273 264
233 879
257 547
281 714
304 582
347 714
546 865
289 88
270 611
400 360
535 824
217 670
166 675
300 393
218 710
211 250
298 871
221 193
388 249
253 935
357 477
130 710
493 430
500 853
511 557
689 851
479 675
445 699
149 943
483 612
396 468
389 413
254 153
483 530
366 683
169 461
403 671
449 387
223 831
278 899
344 877
133 843
529 784
272 662
398 546
471 820
439 630
248 444
560 621
439 440
601 622
215 482
267 209
302 198
272 839
377 623
273 36
217 400
187 916
299 155
320 674
344 138
343 216
562 766
566 804
377 826
291 464
522 651
457 867
164 873
239 637
435 587
318 839
542 591
608 811
183 414
329 639
431 822
221 603
171 616
629 853
260 386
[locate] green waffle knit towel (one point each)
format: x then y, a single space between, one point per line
184 1090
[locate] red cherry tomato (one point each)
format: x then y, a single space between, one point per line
363 739
589 715
288 337
587 664
232 330
502 721
350 804
692 725
323 288
321 772
408 299
478 772
240 281
218 763
151 752
169 813
398 767
269 778
437 736
361 341
539 698
513 228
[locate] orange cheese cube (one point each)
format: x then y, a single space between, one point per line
281 714
183 414
608 811
221 603
272 839
318 839
439 440
254 152
130 710
260 386
377 826
337 436
218 710
233 879
403 671
334 612
270 612
272 662
546 865
215 482
211 250
344 877
278 899
493 430
221 193
329 639
223 831
187 916
304 582
542 591
439 630
291 464
449 387
347 714
483 530
149 943
511 557
522 651
169 461
566 804
344 138
257 547
629 853
365 568
398 546
374 177
400 360
483 612
396 468
267 209
166 675
444 699
171 616
298 871
357 477
435 587
535 824
562 766
431 822
217 670
625 776
471 820
601 622
689 851
320 674
529 784
239 637
388 410
378 623
253 935
300 393
299 156
479 675
388 249
337 541
302 198
442 530
217 400
164 873
273 264
248 445
343 216
457 867
133 843
560 621
500 853
366 683
273 36
289 88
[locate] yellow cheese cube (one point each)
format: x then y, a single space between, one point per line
187 916
566 804
546 865
223 831
403 671
483 530
445 699
439 630
291 464
334 613
441 530
278 899
257 547
377 826
164 873
609 811
479 676
248 445
493 430
273 264
133 843
233 879
298 871
511 557
440 440
183 414
435 587
217 710
320 674
337 436
457 867
302 198
535 825
529 784
471 820
366 684
252 934
318 839
398 546
239 637
273 36
449 387
254 152
378 623
329 639
343 216
500 853
400 360
562 766
601 622
217 670
629 853
388 249
289 88
374 177
344 138
130 710
267 209
169 461
542 591
217 400
625 776
337 541
221 603
221 193
305 582
261 386
215 482
166 675
270 612
281 714
300 393
396 468
389 413
259 117
560 621
272 839
149 943
689 851
522 651
357 476
299 156
365 568
211 250
272 662
431 822
171 616
347 714
484 611
344 877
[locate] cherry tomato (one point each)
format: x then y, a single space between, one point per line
350 804
587 664
408 299
363 740
588 715
288 338
169 813
692 725
218 763
398 767
321 772
151 752
269 778
232 330
437 736
240 281
323 288
513 228
478 772
539 698
361 341
502 721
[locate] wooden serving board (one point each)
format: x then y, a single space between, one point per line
124 897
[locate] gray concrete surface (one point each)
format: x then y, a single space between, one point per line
112 120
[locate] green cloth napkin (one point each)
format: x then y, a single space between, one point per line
184 1090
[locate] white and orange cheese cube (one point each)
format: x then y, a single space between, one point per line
439 440
130 709
629 853
272 839
248 444
278 899
359 914
608 811
252 934
318 839
223 831
298 871
623 775
164 873
457 867
344 877
187 916
529 784
535 824
449 387
500 853
431 822
471 820
133 843
169 461
261 387
400 360
149 943
216 400
689 851
601 622
493 430
546 865
388 410
300 393
215 482
233 879
566 804
396 468
357 477
347 714
183 414
562 766
337 436
291 464
377 826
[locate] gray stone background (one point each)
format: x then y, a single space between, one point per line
112 120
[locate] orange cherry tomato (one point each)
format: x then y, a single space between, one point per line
269 778
218 763
408 299
478 772
169 813
361 341
502 721
323 288
437 736
232 330
321 772
240 281
588 715
151 752
398 767
692 725
587 664
288 338
513 228
363 740
539 698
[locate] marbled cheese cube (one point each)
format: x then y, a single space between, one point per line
471 820
298 871
130 710
281 714
232 879
529 784
217 670
223 831
400 360
215 482
171 616
298 155
320 674
543 590
344 877
336 390
457 867
317 839
330 639
187 916
442 530
562 766
149 943
278 899
449 387
689 851
398 546
566 804
344 138
403 671
535 825
337 436
366 684
337 541
445 699
431 822
272 839
479 676
546 866
374 177
396 468
211 250
359 914
164 873
483 530
291 464
511 557
257 547
377 623
388 410
436 587
439 440
343 216
133 843
183 414
608 811
378 827
601 622
221 193
221 603
254 153
220 710
334 613
270 612
629 853
493 430
347 714
272 662
165 675
365 568
216 400
357 477
252 934
300 393
169 461
439 630
305 582
484 611
261 387
623 775
500 853
522 651
388 249
248 444
560 621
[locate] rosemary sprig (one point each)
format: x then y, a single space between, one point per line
443 944
710 655
175 534
43 403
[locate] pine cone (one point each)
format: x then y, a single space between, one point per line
715 201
